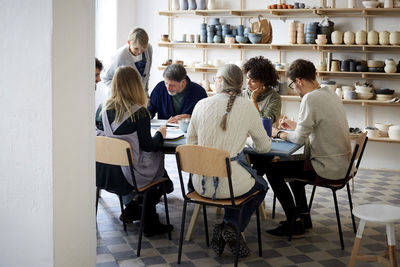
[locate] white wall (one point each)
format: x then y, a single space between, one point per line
47 161
378 155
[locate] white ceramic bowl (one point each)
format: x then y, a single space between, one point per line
363 89
370 4
394 132
365 96
383 126
372 133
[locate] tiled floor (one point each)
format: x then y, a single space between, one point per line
319 247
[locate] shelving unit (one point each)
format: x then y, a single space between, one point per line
283 14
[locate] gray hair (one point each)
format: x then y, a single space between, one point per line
139 36
175 72
232 78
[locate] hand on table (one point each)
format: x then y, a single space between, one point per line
178 117
162 130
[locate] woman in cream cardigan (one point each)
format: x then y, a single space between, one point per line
224 121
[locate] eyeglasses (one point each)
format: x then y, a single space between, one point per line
291 85
215 78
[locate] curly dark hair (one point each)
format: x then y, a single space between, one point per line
302 69
261 69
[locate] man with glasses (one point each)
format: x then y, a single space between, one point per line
322 120
175 97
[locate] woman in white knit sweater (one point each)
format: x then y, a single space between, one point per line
224 121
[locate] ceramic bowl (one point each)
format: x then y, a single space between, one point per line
394 132
365 96
255 37
370 4
229 40
384 91
363 89
371 132
383 126
242 39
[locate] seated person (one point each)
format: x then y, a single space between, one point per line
124 115
224 121
175 97
322 120
261 80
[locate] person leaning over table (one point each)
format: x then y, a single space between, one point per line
137 53
261 80
322 119
175 97
124 116
219 121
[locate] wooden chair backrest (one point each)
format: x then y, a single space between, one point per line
112 151
203 160
360 141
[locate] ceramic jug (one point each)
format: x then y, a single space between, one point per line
348 38
390 66
211 4
394 38
361 37
337 37
201 4
372 37
384 38
192 4
175 5
388 4
184 5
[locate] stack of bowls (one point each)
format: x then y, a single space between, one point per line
384 94
311 32
300 33
203 33
376 66
327 30
383 128
292 32
364 91
210 33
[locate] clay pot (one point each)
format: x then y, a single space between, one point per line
394 38
337 37
348 38
384 38
372 38
361 37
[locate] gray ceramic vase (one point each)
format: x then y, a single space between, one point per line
184 4
201 4
192 4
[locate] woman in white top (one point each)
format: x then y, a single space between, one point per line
224 121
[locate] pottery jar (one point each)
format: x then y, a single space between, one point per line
348 38
384 38
175 5
211 4
184 4
394 38
390 66
192 4
337 37
388 4
361 37
372 37
201 4
351 3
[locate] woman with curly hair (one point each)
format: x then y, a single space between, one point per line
261 80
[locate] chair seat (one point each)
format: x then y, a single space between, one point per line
144 188
379 213
224 202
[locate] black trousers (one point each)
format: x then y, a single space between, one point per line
277 172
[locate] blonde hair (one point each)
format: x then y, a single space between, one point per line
126 91
139 36
232 82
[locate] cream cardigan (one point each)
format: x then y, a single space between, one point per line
243 120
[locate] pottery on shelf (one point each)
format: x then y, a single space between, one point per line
192 4
201 4
361 37
337 37
384 38
184 4
395 38
175 5
372 38
211 4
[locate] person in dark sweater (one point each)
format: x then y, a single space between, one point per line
124 116
175 97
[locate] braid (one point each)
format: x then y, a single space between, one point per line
232 97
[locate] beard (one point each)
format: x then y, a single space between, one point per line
171 93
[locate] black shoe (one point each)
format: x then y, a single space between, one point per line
132 212
169 186
229 235
154 227
306 221
283 230
217 241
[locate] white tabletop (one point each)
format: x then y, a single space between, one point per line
378 213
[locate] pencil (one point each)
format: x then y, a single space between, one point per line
280 121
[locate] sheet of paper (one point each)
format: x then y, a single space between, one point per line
158 123
172 133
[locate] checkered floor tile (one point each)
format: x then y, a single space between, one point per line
319 247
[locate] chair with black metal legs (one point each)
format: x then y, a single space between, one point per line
118 152
335 185
213 162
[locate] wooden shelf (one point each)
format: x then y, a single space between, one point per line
290 47
194 69
383 140
288 13
295 98
359 75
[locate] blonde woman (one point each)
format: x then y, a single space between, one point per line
124 116
137 53
224 121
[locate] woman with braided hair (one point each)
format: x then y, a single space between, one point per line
224 121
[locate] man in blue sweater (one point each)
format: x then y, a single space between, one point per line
175 97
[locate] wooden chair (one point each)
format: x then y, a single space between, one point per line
118 152
212 162
336 185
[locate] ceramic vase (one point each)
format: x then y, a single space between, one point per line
384 38
390 66
175 5
394 38
201 4
211 4
192 4
184 5
348 38
337 37
361 37
372 37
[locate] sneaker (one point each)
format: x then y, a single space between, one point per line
229 235
283 230
217 241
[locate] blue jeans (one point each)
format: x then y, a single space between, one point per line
232 215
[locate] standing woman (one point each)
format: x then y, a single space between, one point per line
137 53
261 80
224 121
125 116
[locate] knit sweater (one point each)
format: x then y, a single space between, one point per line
323 119
204 129
269 104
